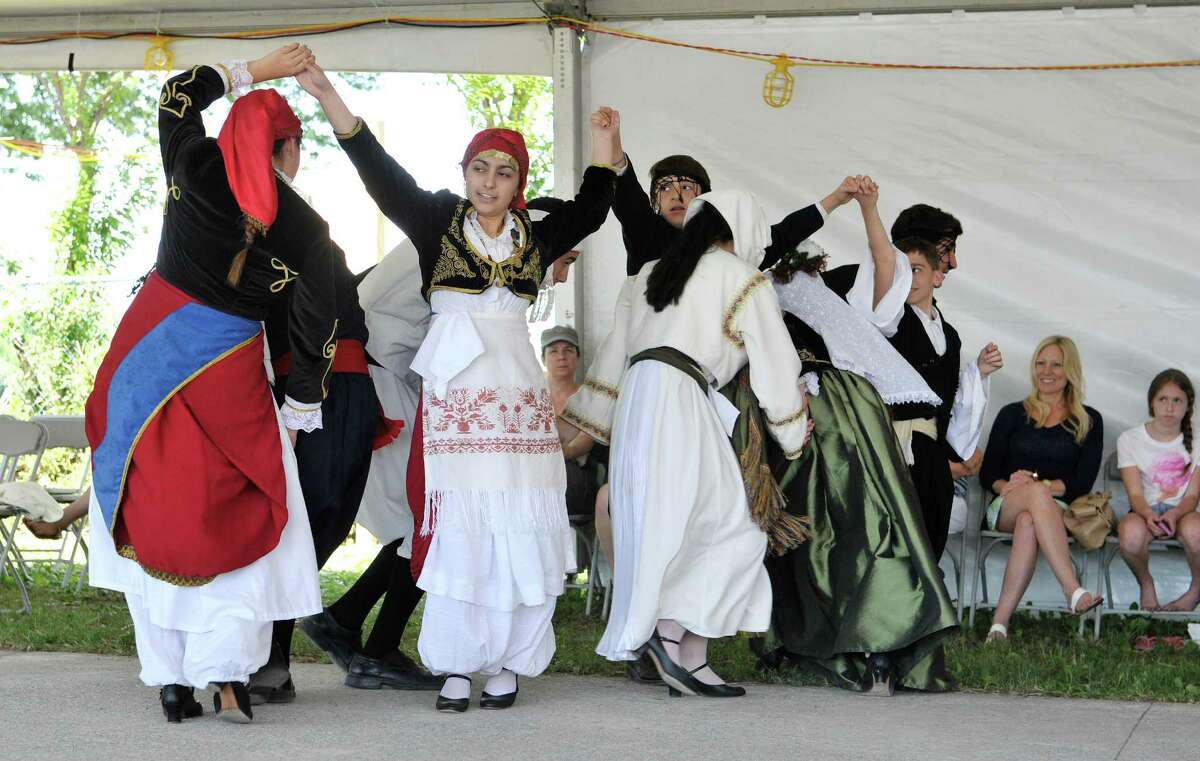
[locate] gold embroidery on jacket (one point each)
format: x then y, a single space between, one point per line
173 193
129 553
329 351
731 312
449 265
288 275
792 418
171 94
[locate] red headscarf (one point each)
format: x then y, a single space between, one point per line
255 122
509 144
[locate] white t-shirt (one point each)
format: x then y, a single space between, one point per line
1165 466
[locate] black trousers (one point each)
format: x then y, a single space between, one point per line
333 463
935 489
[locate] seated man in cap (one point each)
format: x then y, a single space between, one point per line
560 355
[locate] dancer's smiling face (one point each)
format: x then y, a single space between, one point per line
491 183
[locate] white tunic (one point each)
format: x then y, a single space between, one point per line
686 546
495 484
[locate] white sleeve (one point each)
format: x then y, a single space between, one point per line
300 416
592 407
886 315
966 416
236 76
774 365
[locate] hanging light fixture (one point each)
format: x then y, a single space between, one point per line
159 56
779 83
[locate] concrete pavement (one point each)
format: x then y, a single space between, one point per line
77 706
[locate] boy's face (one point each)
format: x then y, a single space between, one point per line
922 279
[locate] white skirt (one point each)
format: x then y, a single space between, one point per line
686 547
280 585
495 480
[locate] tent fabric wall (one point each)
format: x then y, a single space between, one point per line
1078 191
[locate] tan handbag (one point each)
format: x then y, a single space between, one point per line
1090 519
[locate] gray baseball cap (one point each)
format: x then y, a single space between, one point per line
560 333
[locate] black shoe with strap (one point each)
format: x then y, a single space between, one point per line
675 676
643 671
880 680
179 703
716 690
458 705
496 702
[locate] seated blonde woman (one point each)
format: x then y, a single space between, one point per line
1042 453
1158 466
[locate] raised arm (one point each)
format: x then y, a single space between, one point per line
800 225
185 96
394 190
564 227
882 282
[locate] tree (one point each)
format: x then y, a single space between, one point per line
523 103
52 338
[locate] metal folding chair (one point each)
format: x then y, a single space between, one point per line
20 442
1108 553
984 542
67 432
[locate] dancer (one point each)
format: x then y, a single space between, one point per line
494 510
689 547
197 513
864 601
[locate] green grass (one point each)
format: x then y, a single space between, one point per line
1043 656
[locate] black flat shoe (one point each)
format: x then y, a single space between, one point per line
242 714
880 680
338 642
675 676
179 703
395 671
458 705
497 702
716 690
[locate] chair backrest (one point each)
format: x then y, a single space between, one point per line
1111 473
20 438
65 431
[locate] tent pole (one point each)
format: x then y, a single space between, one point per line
568 163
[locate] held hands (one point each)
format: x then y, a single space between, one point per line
990 360
845 192
314 81
1163 526
286 61
967 468
43 530
867 194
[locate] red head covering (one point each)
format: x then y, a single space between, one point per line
509 144
255 122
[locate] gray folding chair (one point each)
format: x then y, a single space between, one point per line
983 542
1112 545
67 432
21 446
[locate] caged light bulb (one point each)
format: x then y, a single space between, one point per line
779 83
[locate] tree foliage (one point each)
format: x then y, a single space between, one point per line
523 103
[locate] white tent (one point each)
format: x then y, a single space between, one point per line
1077 189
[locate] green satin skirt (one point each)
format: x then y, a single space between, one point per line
867 581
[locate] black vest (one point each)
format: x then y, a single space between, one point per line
459 267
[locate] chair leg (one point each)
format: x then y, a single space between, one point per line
26 605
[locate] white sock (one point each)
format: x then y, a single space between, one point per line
456 688
502 683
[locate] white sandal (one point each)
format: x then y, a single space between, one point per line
1077 595
997 632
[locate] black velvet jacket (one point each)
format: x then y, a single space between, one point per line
648 235
434 222
351 321
203 232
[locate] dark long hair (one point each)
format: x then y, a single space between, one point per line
1179 378
672 272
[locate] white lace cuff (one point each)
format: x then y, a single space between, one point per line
811 382
299 416
236 76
